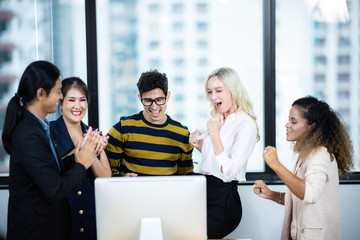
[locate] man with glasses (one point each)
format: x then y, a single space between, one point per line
150 142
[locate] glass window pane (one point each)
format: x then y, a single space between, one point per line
192 39
33 30
317 55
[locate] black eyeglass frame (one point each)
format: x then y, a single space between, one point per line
153 100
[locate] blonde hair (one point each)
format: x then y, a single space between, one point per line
240 97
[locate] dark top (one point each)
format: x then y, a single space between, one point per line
82 200
38 208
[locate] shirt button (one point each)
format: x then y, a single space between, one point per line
79 193
81 212
81 230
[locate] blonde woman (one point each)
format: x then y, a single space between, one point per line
226 147
311 201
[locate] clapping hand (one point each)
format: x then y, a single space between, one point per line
101 144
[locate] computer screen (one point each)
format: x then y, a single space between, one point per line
134 208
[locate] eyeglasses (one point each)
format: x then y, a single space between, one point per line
148 101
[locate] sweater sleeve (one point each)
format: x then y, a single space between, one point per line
114 148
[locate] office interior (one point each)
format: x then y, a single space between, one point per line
282 50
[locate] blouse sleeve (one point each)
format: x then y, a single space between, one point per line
233 159
317 171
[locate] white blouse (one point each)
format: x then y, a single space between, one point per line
238 136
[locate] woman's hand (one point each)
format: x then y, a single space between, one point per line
102 143
194 139
85 152
214 124
270 156
262 190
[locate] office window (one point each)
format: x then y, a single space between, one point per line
344 77
202 8
344 112
343 26
178 26
309 69
5 55
319 42
343 94
202 62
201 79
186 43
3 24
202 44
179 98
179 44
154 45
179 63
50 35
343 60
179 80
320 60
202 26
344 42
178 8
320 78
319 25
154 63
154 8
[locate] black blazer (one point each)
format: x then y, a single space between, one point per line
38 207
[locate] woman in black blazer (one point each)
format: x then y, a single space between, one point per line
65 131
38 183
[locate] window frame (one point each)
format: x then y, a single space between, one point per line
269 57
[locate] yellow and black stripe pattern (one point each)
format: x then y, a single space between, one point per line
138 146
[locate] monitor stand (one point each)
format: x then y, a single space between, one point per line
151 229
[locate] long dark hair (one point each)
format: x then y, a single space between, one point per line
39 74
328 130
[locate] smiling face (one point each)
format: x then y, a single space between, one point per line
74 105
297 125
154 113
220 96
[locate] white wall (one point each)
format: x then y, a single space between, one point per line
262 219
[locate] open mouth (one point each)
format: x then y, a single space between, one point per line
155 113
76 113
218 105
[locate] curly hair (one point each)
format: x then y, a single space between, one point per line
151 80
326 129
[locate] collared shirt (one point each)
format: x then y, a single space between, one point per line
45 125
238 136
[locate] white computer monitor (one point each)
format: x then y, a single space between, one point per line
134 208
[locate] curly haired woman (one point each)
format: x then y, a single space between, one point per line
311 201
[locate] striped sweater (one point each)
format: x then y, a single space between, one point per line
138 146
